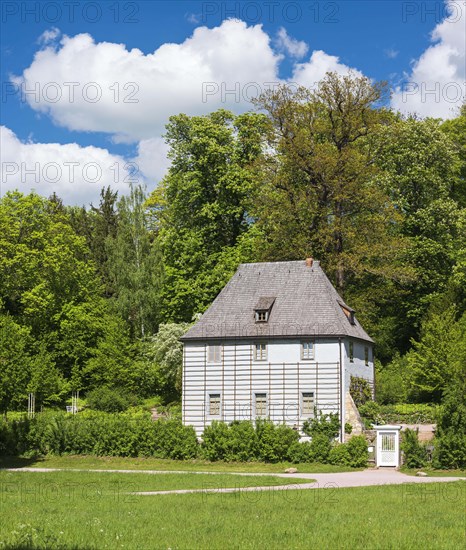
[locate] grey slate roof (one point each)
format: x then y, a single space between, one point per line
306 304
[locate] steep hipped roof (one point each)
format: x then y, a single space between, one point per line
306 304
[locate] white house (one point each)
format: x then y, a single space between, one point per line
277 342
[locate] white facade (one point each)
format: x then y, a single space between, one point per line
280 379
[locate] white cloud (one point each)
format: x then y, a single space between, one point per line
104 87
138 92
391 53
152 158
75 173
311 72
48 36
294 48
436 86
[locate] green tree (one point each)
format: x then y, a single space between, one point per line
15 363
135 265
420 166
43 263
431 359
320 195
165 351
201 208
455 129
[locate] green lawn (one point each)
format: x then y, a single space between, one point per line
109 482
118 463
77 510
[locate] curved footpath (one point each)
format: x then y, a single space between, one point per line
363 478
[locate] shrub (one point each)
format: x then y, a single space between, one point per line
370 411
354 453
450 438
243 442
358 453
339 455
215 441
274 441
320 448
360 390
174 440
110 400
301 452
327 425
104 434
415 454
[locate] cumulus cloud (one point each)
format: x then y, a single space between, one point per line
75 173
436 86
91 86
310 73
152 158
294 48
48 36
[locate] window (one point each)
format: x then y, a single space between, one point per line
262 316
307 404
366 356
351 352
263 308
214 404
348 312
260 352
261 405
214 353
307 350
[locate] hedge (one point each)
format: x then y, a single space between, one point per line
126 435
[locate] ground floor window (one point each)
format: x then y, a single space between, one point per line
307 404
260 405
214 404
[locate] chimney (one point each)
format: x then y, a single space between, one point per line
309 262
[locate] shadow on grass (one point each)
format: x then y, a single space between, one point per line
19 462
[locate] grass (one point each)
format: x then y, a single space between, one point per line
71 510
108 482
119 463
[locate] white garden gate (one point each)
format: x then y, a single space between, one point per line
388 445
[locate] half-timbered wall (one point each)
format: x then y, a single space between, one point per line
284 376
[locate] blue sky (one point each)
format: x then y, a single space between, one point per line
149 60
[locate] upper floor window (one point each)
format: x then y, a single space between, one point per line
307 350
214 353
351 352
366 356
260 351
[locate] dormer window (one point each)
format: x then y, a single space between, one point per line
262 316
263 308
348 312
